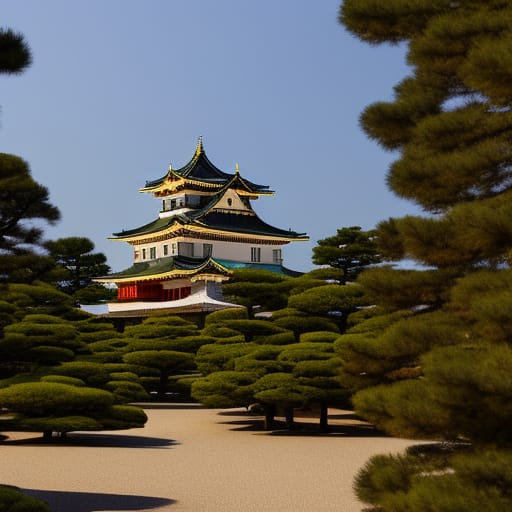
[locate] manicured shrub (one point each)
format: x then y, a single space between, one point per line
13 499
318 336
127 391
225 315
224 389
47 398
93 374
63 379
280 338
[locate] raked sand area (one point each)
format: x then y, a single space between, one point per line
196 460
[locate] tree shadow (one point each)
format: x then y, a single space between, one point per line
248 422
237 412
96 440
62 501
170 405
345 416
311 430
245 425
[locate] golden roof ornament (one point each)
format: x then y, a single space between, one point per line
199 147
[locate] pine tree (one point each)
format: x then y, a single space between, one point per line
77 264
22 200
15 54
441 354
350 250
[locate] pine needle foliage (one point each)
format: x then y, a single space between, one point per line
438 364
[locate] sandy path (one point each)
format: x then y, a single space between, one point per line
191 460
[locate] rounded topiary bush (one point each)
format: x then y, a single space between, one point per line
13 499
63 379
125 376
92 373
48 355
319 337
53 399
105 357
109 345
124 416
280 313
224 315
219 331
300 325
239 338
61 424
127 391
252 328
280 338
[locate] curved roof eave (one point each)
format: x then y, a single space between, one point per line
152 227
171 267
200 168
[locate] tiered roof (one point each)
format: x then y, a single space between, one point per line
211 217
210 220
169 267
200 174
182 266
222 217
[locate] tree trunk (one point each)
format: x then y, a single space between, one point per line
162 389
324 421
270 412
290 423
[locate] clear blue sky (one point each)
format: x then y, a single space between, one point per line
121 88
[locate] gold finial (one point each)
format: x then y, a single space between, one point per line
170 167
237 169
199 147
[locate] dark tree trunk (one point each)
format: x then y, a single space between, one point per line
324 421
290 423
162 389
270 412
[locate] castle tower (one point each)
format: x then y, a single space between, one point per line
206 227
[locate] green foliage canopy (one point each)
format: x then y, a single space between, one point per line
350 250
447 362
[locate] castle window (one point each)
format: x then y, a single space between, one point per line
152 253
255 254
186 249
166 250
143 254
230 201
277 256
207 250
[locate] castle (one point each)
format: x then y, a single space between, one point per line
206 227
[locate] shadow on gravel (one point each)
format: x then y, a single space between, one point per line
252 423
305 429
169 405
61 501
97 440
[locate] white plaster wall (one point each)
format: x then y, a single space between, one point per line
224 250
234 198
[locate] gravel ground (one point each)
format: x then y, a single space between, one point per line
190 459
